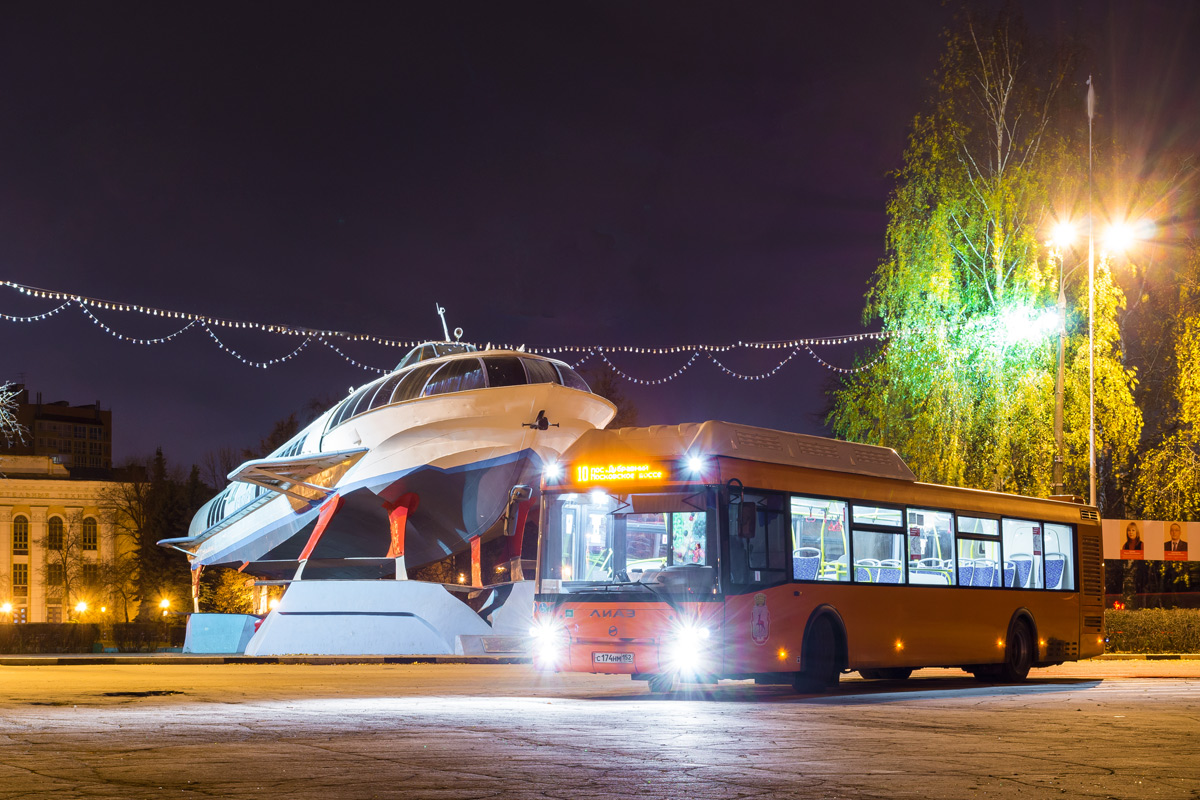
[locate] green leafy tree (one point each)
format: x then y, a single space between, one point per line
226 591
604 382
965 389
1167 481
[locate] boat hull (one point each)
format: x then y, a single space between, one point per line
459 455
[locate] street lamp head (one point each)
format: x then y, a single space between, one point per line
164 603
6 608
1119 237
81 606
1062 236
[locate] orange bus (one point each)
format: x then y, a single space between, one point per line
696 552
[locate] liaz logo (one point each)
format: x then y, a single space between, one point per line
609 612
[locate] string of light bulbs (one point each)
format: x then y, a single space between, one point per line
36 317
207 323
87 312
251 363
358 364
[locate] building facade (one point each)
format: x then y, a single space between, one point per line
58 544
75 436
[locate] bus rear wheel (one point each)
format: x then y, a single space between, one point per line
1018 655
820 659
886 673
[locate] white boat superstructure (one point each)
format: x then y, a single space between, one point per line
404 471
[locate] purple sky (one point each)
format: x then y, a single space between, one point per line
557 173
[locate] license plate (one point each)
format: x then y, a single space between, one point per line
612 658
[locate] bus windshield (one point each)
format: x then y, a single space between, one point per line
660 540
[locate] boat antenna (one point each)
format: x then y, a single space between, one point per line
442 313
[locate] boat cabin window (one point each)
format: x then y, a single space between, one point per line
504 371
570 378
459 375
413 383
434 350
540 371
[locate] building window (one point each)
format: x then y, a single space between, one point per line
20 579
54 539
54 574
91 536
53 613
20 538
91 573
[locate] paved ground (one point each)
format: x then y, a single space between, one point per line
1123 729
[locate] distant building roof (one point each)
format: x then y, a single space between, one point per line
32 467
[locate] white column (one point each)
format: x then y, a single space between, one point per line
6 515
37 564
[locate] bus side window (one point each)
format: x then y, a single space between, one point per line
763 558
1060 557
1023 547
820 548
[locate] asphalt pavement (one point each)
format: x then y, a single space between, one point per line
1103 729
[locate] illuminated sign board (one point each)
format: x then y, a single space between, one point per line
617 473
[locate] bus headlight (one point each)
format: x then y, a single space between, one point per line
550 642
688 647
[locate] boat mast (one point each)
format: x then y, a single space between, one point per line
442 313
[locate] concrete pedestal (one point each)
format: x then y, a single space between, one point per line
365 618
218 633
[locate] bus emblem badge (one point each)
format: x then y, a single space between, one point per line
760 620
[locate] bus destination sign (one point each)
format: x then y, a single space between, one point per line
618 473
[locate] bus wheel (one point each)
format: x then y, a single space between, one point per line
1018 655
661 684
886 673
820 659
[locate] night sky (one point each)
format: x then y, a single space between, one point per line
642 173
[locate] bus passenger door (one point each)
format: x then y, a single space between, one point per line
757 549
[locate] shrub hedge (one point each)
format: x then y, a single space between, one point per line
1147 630
1153 630
34 638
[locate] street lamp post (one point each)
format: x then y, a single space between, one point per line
1059 486
1091 108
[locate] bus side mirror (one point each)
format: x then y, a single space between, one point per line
746 519
746 512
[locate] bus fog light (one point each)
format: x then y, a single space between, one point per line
550 642
688 647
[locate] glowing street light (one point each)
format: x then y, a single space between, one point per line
1063 236
81 607
6 608
164 604
1117 238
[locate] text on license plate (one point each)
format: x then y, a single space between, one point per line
612 658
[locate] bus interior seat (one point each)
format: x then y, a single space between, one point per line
805 563
866 570
1055 567
891 570
985 573
1024 565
